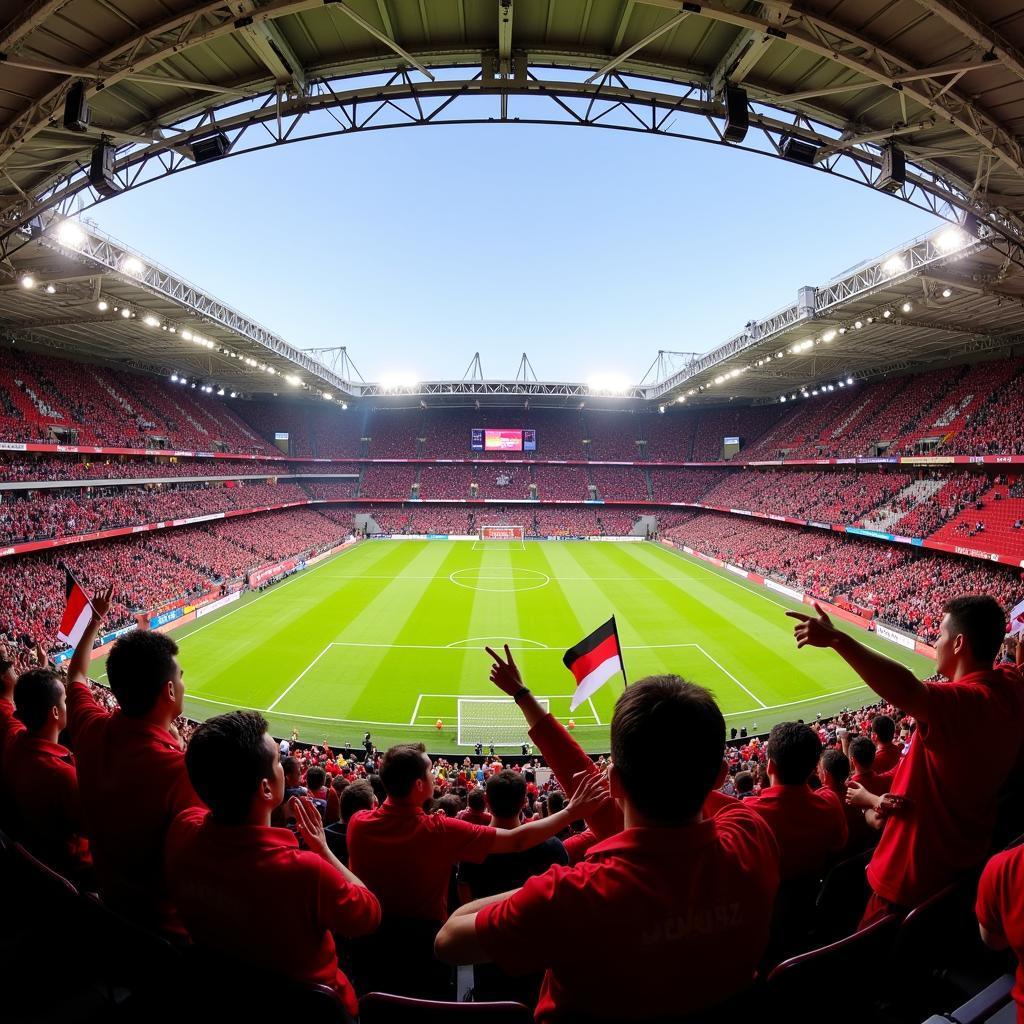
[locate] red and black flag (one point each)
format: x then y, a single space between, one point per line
593 661
77 611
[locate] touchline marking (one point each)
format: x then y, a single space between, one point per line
301 674
416 710
758 591
794 703
274 590
722 668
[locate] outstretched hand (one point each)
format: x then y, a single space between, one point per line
591 791
814 631
309 824
101 602
505 674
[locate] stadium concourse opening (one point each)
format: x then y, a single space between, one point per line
286 724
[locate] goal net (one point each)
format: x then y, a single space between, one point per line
496 720
495 532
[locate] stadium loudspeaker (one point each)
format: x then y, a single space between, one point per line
798 151
737 120
210 147
101 170
893 175
76 108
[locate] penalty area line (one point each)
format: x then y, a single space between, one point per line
298 678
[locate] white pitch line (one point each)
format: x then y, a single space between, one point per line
758 591
273 590
415 710
723 669
594 710
794 703
301 674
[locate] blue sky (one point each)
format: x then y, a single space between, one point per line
589 250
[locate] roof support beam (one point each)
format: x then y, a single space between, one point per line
31 17
859 140
971 26
739 60
270 46
627 53
381 37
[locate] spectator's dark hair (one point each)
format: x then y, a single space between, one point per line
138 668
795 749
36 693
836 764
338 784
316 777
226 759
744 782
981 620
477 800
377 784
883 727
556 802
862 751
358 796
667 741
449 805
402 767
506 793
290 765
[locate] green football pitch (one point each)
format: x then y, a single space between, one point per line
387 636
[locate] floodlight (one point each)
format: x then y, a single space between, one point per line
344 405
174 378
28 281
221 392
842 384
950 239
50 290
234 394
946 292
887 313
327 396
126 312
858 325
132 265
661 408
70 234
187 335
828 336
783 398
842 330
292 379
849 380
151 321
907 307
102 306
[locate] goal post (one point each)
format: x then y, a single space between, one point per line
495 532
496 720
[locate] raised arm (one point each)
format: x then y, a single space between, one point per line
563 754
78 668
591 793
889 679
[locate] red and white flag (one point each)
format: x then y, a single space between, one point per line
593 661
1017 619
77 612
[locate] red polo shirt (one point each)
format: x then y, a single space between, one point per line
1000 909
250 892
42 785
808 825
872 781
684 914
406 857
474 817
951 778
131 782
887 756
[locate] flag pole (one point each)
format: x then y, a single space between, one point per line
622 659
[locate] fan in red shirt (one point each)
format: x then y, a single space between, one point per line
245 889
39 776
686 900
809 826
407 857
476 812
945 790
833 773
887 753
862 759
1000 910
127 823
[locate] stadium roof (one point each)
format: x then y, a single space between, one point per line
864 85
174 82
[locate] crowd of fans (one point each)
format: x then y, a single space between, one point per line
701 854
894 583
41 515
